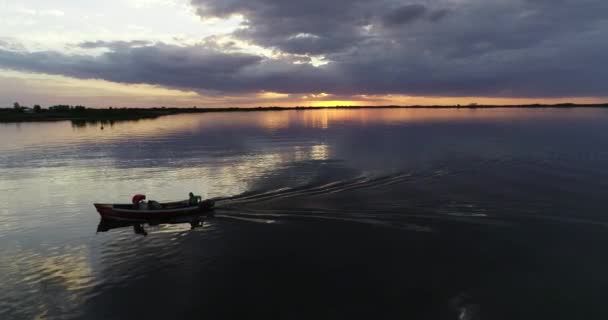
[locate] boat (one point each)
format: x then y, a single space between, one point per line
168 210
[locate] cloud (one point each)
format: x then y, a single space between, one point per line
491 48
405 14
438 14
114 45
41 13
200 67
11 45
335 24
438 47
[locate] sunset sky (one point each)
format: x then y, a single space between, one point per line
316 52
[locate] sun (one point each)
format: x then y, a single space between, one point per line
335 103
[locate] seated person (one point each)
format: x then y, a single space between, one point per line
193 200
142 205
154 205
139 202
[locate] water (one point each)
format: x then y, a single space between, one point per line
411 214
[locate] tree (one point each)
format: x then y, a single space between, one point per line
37 108
16 106
60 108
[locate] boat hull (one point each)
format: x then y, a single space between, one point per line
120 212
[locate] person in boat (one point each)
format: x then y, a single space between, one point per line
154 205
194 200
139 202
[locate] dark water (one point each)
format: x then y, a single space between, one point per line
336 214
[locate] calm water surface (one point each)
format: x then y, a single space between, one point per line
381 214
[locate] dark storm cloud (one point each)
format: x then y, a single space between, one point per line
317 26
506 48
438 14
161 64
474 47
312 26
195 67
405 14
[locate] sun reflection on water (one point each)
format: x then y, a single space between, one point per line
320 152
24 135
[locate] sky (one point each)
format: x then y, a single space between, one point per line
218 53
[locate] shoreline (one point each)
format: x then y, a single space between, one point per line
134 114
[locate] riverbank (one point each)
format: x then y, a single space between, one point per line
11 115
126 114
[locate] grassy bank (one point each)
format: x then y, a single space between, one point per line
125 114
11 115
109 114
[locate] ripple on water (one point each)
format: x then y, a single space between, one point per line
46 283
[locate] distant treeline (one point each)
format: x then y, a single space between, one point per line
19 113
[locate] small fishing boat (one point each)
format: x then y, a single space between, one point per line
131 212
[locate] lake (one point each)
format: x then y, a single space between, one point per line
378 214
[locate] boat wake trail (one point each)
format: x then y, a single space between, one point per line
389 200
415 200
312 190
